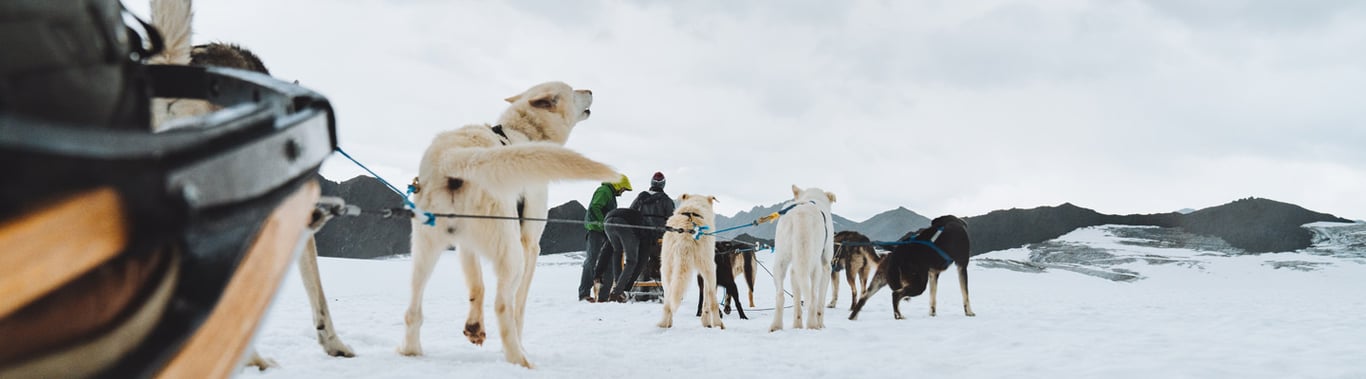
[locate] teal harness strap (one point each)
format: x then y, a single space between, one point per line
431 219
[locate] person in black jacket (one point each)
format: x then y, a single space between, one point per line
651 208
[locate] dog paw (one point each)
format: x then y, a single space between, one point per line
475 333
970 314
666 324
775 328
523 362
742 317
261 363
932 313
339 350
410 351
898 316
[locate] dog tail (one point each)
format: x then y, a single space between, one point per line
173 18
511 168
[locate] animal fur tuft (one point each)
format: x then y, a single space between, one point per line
173 19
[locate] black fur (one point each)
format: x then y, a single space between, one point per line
906 269
726 253
226 55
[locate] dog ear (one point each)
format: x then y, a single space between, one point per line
684 197
830 195
796 191
712 199
545 102
513 98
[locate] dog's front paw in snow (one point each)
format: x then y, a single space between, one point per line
475 333
410 350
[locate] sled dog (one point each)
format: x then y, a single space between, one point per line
908 268
805 243
855 256
500 170
682 254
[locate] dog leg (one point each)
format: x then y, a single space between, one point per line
800 298
701 289
725 302
963 284
667 275
322 319
778 274
711 314
878 282
816 311
474 281
934 289
426 251
863 283
259 362
509 265
749 276
896 304
531 245
733 293
849 273
834 289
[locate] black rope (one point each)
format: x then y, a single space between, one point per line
408 213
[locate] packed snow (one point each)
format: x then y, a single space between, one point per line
1210 315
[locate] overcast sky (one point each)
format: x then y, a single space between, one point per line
944 107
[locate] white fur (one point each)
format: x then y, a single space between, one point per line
805 243
681 254
173 19
492 178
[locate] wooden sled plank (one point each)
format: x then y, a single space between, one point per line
49 247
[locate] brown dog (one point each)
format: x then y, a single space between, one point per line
855 256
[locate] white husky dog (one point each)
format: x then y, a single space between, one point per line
501 170
805 241
682 253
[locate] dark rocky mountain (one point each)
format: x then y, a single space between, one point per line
1011 228
364 236
1257 225
1251 225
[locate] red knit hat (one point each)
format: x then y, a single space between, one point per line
657 181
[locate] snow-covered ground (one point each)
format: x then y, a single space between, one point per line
1208 315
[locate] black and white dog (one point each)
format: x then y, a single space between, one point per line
920 258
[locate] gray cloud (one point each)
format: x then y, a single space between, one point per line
940 106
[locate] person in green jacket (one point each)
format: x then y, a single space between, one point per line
604 200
